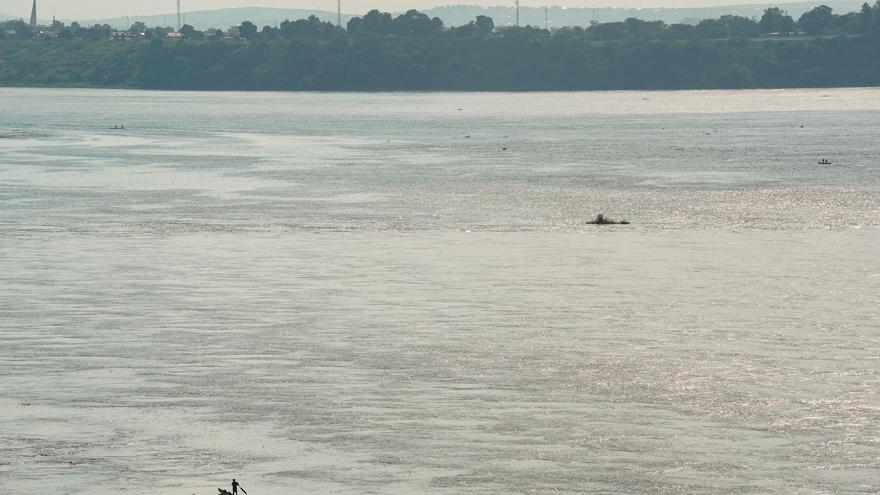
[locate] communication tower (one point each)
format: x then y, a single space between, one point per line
178 16
517 13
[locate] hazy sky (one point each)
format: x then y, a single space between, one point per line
85 9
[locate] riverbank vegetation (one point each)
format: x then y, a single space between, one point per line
414 52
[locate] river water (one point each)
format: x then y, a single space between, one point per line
399 293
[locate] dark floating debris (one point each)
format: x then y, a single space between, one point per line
601 220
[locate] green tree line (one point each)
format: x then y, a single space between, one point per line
414 52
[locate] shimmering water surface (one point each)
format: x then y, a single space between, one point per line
398 293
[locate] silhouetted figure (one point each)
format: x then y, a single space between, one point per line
235 486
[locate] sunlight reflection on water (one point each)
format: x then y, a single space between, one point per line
346 294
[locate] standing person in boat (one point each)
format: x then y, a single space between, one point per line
235 486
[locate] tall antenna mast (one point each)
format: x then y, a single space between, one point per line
517 13
339 13
178 16
547 18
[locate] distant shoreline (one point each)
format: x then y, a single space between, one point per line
413 52
429 91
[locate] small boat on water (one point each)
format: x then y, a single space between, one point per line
824 161
118 127
603 220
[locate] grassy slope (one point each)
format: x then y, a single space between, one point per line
74 63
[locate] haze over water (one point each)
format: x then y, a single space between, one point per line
367 293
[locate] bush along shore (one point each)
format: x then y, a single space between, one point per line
413 52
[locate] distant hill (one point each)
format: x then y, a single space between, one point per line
457 15
221 18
